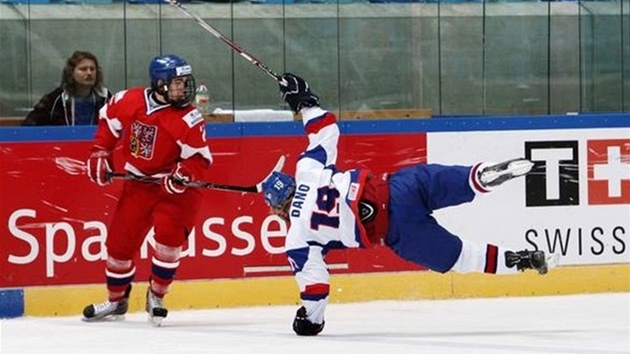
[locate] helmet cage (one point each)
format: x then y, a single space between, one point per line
162 72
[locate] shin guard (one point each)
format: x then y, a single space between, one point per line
165 262
119 275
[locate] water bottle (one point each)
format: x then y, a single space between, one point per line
202 99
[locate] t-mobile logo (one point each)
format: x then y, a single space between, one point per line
555 178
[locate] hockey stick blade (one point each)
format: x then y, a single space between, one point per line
277 168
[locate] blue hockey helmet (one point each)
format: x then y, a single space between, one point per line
278 189
163 69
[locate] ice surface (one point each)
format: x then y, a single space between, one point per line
573 324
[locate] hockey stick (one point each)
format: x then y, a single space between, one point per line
250 58
256 188
75 167
194 184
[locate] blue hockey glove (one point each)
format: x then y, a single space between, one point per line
296 92
303 327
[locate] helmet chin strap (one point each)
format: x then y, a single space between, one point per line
161 94
160 99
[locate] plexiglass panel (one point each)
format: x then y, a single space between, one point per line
451 57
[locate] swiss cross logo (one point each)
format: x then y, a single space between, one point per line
555 177
608 171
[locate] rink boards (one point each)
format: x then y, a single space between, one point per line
50 243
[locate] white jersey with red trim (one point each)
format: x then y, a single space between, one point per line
154 136
323 212
325 206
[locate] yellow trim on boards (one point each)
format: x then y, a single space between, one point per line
225 293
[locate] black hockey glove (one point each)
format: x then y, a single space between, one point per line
303 327
296 92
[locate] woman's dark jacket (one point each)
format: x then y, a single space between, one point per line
55 108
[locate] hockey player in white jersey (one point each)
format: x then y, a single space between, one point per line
328 208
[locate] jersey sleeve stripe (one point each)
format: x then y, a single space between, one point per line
313 126
318 154
188 151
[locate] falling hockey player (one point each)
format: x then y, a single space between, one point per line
329 208
163 137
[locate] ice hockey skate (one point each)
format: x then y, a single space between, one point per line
107 310
536 260
494 175
155 308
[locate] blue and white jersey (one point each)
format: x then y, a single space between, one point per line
325 207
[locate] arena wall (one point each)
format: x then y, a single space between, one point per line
51 255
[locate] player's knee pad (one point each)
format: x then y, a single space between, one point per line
119 265
167 253
171 233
